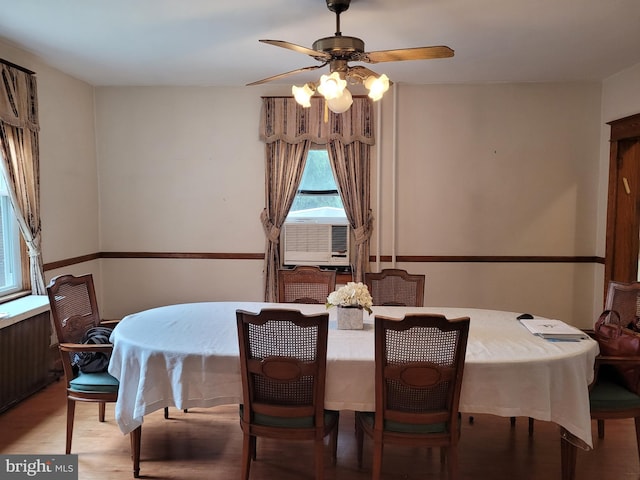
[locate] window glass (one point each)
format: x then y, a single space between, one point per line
10 267
318 192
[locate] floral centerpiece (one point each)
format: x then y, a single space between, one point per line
353 294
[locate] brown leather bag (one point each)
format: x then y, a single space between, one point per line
617 340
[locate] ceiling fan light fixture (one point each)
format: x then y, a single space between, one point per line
337 51
377 86
331 86
303 94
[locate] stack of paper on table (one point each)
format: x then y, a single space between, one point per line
553 329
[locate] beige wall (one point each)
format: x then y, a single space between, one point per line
181 170
494 170
621 95
481 170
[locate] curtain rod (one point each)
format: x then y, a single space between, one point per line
10 64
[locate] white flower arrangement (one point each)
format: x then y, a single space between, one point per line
353 294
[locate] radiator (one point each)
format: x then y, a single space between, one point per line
25 359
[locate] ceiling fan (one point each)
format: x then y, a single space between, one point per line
337 51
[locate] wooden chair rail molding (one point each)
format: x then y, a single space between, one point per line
384 258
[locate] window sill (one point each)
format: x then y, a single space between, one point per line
25 307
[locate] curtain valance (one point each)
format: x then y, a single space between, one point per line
283 119
18 99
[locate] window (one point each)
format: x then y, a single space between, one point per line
318 192
316 231
10 264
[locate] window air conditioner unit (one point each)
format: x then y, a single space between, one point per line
309 243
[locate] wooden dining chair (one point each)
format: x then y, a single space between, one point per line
283 356
305 284
74 310
419 363
393 286
609 398
623 298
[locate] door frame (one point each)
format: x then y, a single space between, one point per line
623 129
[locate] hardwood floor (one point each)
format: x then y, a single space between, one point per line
206 444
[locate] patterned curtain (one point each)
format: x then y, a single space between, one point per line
21 161
285 165
351 166
288 131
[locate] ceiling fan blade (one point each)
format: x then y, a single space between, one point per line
286 74
297 48
418 53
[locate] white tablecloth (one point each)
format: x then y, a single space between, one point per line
187 356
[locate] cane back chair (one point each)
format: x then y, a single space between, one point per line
419 364
608 396
74 310
305 284
283 363
393 286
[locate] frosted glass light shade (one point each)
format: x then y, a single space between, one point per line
331 86
377 86
342 103
302 95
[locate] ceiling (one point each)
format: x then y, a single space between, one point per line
215 42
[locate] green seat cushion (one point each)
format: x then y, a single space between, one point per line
399 427
94 383
286 422
607 394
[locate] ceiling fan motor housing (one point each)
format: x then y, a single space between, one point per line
339 46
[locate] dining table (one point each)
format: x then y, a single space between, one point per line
187 356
